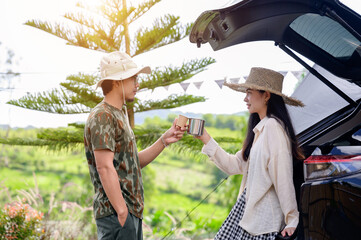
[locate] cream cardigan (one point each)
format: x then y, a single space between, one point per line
267 175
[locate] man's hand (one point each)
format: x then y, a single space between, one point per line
289 231
174 134
122 218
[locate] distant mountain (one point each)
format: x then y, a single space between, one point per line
140 117
163 114
6 126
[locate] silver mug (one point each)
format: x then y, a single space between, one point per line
195 126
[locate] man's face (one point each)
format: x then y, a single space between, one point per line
130 88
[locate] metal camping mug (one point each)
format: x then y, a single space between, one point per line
195 126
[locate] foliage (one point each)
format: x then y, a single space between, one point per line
233 122
163 32
103 28
20 221
7 72
149 184
75 96
55 139
164 76
173 185
106 28
63 218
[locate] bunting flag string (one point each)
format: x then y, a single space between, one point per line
198 84
298 74
234 80
220 83
284 73
185 85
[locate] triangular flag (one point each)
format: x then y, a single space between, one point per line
297 74
220 83
198 84
283 73
234 80
184 86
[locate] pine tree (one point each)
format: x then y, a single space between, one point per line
106 28
8 75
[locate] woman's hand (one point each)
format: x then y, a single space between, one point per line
173 134
205 137
289 231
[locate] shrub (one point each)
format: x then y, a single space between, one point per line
20 221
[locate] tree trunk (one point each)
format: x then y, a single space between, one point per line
127 50
126 31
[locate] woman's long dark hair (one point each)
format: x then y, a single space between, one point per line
276 108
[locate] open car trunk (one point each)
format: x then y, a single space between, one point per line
324 31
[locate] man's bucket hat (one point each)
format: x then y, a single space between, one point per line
266 80
119 66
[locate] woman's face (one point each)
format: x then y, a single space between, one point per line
256 101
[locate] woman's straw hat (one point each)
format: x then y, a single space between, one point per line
267 80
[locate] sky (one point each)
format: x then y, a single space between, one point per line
45 60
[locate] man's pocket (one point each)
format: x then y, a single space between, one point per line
109 228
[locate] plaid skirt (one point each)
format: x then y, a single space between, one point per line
230 229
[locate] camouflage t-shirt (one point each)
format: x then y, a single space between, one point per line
106 129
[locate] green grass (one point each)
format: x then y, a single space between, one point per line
215 132
174 173
176 183
180 205
16 179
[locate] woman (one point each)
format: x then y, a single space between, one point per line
267 202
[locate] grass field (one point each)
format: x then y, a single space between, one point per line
174 184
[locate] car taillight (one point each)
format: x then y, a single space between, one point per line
317 167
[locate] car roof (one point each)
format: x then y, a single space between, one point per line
324 31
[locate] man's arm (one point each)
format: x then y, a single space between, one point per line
109 178
172 135
149 154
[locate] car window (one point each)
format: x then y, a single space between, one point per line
357 135
347 144
320 101
327 34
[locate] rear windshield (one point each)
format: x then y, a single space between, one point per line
327 34
320 100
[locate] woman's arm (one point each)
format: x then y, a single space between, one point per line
228 163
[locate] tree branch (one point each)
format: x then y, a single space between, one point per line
170 75
172 101
165 31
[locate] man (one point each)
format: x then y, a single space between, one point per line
111 151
